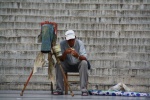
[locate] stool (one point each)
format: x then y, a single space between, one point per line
67 75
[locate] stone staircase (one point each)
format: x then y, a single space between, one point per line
116 34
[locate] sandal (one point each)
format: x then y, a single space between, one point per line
57 93
85 93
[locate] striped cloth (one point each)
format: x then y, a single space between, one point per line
117 93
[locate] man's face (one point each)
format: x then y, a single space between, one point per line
71 42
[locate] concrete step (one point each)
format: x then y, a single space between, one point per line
17 62
88 40
79 13
23 70
122 27
19 39
106 54
94 34
108 34
115 41
20 46
24 62
31 54
102 83
82 1
117 56
71 5
118 63
116 79
95 63
117 48
89 47
19 54
11 78
68 19
100 76
80 30
128 72
19 25
20 33
30 86
74 87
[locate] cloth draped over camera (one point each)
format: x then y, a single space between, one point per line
47 38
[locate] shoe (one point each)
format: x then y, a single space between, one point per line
85 93
57 93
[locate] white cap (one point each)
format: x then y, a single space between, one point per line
70 34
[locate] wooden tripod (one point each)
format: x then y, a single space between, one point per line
58 61
65 79
25 85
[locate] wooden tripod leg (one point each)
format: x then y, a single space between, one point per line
65 79
63 73
50 65
51 87
66 87
21 94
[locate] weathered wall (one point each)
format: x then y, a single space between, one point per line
116 34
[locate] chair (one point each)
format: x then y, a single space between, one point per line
67 75
73 74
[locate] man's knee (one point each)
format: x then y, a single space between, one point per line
84 63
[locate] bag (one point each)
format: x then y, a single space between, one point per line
120 87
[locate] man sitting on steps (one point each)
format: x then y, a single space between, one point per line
73 59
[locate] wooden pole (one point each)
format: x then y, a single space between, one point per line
21 94
65 79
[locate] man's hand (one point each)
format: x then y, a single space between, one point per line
74 53
68 51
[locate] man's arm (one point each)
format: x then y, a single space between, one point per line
83 54
82 58
78 56
63 57
73 53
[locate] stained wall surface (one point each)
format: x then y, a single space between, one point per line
116 34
